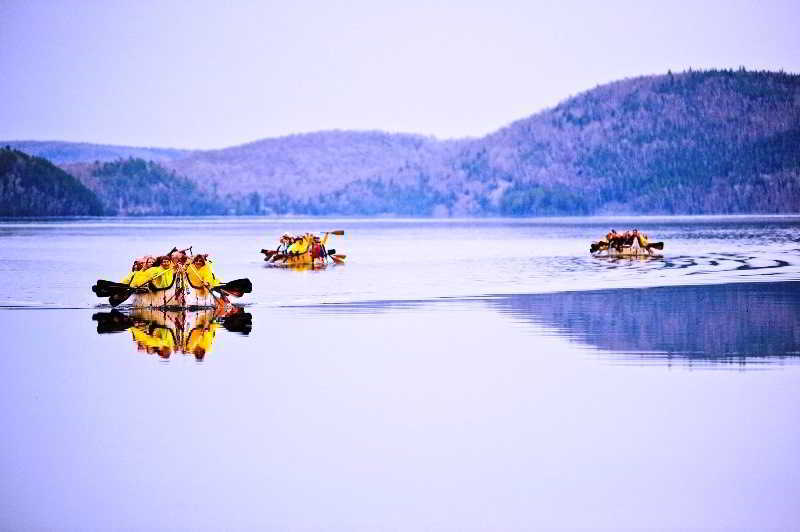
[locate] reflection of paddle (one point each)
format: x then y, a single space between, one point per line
112 322
241 322
236 288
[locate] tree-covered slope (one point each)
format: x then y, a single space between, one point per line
60 152
31 186
134 187
695 142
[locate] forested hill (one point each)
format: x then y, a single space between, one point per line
31 186
135 187
695 142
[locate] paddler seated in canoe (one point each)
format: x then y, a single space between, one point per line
201 273
164 275
157 271
299 246
138 265
318 250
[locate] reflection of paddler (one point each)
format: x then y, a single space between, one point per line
200 340
154 339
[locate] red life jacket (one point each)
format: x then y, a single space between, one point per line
316 251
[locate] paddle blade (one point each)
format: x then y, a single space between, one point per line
237 287
656 245
331 252
105 288
339 232
339 259
120 297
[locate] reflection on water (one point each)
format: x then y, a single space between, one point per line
741 323
164 332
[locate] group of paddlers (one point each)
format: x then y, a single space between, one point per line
172 275
305 247
158 273
627 239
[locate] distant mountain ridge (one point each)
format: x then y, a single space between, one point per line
717 141
62 152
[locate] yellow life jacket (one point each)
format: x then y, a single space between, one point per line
202 276
128 278
142 277
164 280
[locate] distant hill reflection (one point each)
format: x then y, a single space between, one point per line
161 332
739 323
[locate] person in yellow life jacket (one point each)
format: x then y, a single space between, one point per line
201 273
297 247
162 273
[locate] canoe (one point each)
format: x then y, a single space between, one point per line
634 250
180 295
304 261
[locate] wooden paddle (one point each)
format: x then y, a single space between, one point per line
237 287
338 232
121 293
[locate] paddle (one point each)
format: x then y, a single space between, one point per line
105 288
655 245
237 287
338 232
122 293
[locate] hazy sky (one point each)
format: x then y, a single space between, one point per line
210 75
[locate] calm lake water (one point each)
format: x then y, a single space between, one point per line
453 375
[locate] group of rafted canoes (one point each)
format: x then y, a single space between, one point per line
177 279
628 243
181 279
303 250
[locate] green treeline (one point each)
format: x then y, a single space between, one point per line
31 186
135 187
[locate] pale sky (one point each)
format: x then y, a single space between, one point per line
215 74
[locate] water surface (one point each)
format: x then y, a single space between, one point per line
454 375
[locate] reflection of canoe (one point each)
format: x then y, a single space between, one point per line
165 332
